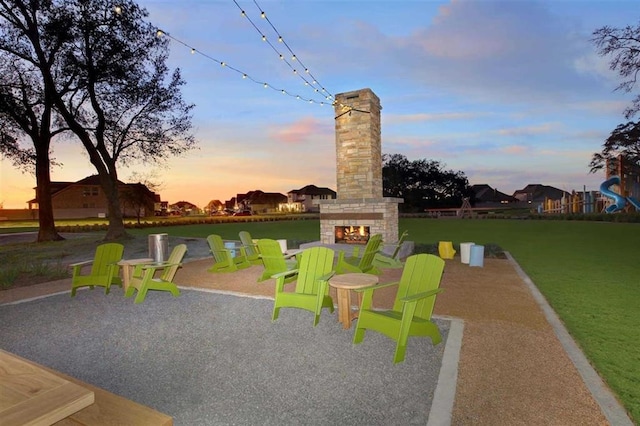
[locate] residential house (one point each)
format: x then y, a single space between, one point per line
536 193
213 207
183 208
161 208
85 198
486 196
259 202
306 199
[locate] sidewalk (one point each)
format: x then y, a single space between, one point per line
513 369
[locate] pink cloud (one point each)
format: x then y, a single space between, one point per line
299 131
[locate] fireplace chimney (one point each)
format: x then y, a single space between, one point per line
359 200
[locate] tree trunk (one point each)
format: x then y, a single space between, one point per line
116 229
47 229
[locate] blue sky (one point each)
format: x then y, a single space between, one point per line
509 92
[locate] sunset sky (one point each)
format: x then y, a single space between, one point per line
508 92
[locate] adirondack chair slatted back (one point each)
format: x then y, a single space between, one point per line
314 263
421 273
273 260
216 245
106 256
370 250
399 246
250 247
272 255
177 254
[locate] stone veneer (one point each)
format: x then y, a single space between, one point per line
359 171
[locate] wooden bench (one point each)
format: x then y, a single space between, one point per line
110 409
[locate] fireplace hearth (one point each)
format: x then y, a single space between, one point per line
351 234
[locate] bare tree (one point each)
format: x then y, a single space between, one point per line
26 113
622 46
109 83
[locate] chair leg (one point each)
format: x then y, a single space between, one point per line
358 336
276 312
142 293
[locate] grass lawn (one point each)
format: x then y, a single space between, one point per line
588 271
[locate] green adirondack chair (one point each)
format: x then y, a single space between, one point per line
381 260
104 269
274 260
361 264
250 248
224 261
413 306
312 285
143 278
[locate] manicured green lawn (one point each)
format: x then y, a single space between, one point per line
588 271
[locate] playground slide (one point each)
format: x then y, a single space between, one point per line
619 202
634 202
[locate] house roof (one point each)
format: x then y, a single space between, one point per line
538 192
184 205
485 193
313 190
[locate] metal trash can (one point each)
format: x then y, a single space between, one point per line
159 247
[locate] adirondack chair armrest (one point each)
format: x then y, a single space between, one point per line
376 286
327 277
80 264
284 274
419 296
159 265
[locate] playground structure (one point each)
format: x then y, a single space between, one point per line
619 192
622 185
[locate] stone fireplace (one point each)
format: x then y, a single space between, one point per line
359 205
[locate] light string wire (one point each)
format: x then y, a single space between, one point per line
160 33
294 57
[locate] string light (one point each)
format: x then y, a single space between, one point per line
263 15
193 50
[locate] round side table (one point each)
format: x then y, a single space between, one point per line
343 284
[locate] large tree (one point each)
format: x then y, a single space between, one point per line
26 119
422 183
622 46
114 91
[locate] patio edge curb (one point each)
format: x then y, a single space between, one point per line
445 392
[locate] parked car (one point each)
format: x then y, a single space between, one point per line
243 213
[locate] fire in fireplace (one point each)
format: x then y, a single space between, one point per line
352 234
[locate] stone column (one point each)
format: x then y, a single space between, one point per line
358 145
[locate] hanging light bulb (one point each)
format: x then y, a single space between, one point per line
281 57
293 58
264 37
306 70
283 92
295 71
244 15
280 39
117 10
263 15
159 33
244 76
193 50
266 85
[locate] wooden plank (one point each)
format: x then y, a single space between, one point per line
30 395
106 408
